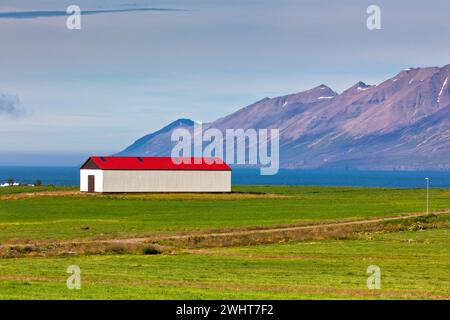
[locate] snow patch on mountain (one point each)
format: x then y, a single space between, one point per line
442 90
320 98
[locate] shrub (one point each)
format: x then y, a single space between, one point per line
416 226
151 250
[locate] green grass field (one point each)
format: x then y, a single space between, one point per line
414 264
66 217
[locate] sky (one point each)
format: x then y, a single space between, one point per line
66 94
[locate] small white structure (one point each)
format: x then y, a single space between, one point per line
154 174
15 184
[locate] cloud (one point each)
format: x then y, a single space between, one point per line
10 105
49 14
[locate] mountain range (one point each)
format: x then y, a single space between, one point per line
402 123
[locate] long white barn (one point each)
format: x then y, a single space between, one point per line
154 174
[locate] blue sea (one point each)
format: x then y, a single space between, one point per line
69 176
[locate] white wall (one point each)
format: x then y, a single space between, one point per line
84 173
165 181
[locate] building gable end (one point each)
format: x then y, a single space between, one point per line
90 164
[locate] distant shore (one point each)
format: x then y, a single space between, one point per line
69 176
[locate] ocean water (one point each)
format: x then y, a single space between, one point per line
69 176
61 176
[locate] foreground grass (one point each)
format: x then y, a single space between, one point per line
413 265
76 216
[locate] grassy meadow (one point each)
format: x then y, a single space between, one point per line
413 265
414 259
78 216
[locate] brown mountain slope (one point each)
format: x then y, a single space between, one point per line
402 123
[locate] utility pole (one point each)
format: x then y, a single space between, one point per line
428 195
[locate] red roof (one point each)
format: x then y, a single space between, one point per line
155 163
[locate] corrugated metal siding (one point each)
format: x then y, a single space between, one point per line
166 181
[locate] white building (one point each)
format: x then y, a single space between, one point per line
154 174
15 184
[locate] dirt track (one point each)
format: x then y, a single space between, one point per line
199 239
145 196
272 230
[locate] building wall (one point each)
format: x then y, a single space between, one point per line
166 181
84 173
